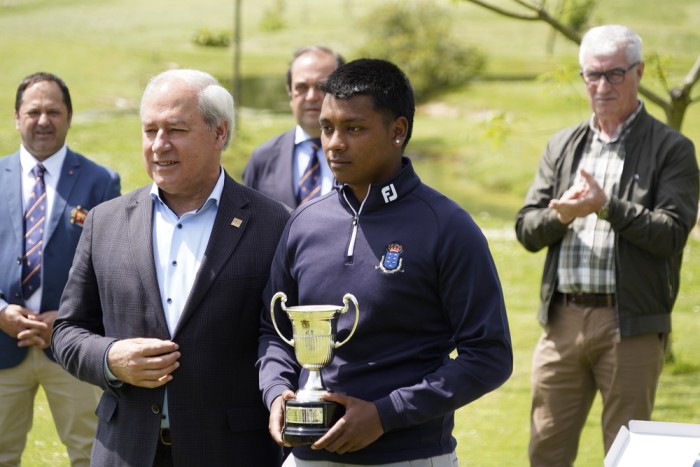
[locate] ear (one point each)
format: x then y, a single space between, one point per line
221 133
399 130
640 70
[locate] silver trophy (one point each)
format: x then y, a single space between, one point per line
314 327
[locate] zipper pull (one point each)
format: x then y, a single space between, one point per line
353 237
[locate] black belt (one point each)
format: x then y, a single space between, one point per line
595 300
165 439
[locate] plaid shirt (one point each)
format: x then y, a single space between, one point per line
586 261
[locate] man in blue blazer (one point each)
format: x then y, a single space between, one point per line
276 166
73 185
163 302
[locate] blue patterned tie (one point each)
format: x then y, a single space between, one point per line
310 182
34 219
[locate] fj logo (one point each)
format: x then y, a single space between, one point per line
389 193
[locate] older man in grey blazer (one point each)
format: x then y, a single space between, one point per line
163 301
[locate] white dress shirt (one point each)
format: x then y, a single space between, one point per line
53 165
302 154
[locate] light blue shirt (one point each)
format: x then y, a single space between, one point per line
178 249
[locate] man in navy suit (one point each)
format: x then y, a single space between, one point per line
276 166
72 185
163 302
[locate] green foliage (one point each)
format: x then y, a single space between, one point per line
563 82
562 75
207 38
656 66
416 36
273 17
498 126
576 14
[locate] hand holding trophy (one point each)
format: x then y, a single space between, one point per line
314 327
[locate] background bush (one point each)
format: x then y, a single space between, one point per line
207 38
417 36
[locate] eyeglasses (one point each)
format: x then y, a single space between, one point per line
614 76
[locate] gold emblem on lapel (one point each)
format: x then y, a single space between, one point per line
78 215
236 222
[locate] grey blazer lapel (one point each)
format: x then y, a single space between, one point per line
229 225
139 215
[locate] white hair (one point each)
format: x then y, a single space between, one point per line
603 41
215 101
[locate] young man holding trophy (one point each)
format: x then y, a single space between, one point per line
422 283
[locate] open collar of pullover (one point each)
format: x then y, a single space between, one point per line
385 193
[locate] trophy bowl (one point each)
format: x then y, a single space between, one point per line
314 327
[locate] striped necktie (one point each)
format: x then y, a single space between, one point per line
34 220
310 181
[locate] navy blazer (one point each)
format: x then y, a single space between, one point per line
83 184
270 169
217 415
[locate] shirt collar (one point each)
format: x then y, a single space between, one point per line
300 135
214 197
52 164
381 194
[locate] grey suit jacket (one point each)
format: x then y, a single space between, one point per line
216 412
269 169
83 184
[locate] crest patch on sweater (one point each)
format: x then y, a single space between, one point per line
391 259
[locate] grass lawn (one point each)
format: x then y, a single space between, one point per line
44 449
478 144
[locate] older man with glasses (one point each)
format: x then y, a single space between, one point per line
613 201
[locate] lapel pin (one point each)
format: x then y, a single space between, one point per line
78 215
236 222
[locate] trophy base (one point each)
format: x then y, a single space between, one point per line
305 422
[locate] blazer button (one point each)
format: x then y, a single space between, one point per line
155 409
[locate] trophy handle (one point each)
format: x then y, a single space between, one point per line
349 298
283 299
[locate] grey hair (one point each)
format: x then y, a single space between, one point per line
609 39
215 101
